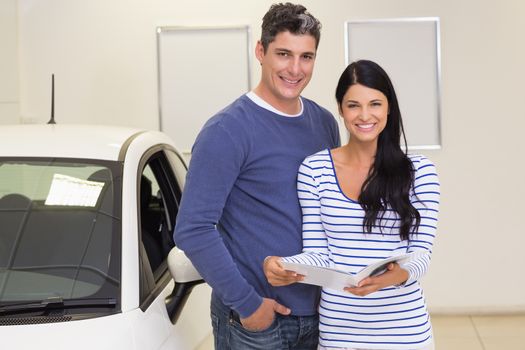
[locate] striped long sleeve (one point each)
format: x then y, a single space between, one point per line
315 243
425 198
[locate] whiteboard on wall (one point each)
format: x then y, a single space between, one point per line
408 49
200 71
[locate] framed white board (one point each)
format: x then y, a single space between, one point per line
200 71
409 51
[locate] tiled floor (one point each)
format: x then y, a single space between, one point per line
468 333
479 332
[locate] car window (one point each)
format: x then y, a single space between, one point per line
153 218
160 195
60 229
179 167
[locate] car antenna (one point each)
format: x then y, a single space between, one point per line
52 120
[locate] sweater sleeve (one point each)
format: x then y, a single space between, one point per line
315 243
215 165
425 198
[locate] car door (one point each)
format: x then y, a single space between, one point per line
160 184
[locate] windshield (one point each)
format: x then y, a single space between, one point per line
60 229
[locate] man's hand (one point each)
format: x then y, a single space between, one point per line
277 275
393 276
263 317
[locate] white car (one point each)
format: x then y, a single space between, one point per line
86 221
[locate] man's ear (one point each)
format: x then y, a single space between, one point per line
259 51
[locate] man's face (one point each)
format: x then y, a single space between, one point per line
287 67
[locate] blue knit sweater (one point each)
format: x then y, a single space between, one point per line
240 201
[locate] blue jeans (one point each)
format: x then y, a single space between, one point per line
286 332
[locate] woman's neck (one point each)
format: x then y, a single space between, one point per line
360 154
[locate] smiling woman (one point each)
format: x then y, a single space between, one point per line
361 203
364 111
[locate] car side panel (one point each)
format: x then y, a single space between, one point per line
194 324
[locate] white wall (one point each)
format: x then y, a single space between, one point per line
8 63
103 54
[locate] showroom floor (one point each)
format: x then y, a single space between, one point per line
468 333
479 332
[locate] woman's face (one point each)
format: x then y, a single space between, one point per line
364 111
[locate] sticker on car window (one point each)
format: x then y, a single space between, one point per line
71 191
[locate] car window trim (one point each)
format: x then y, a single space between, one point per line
126 144
165 276
160 285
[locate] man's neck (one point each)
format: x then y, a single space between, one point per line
262 103
290 107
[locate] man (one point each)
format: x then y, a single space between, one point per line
240 202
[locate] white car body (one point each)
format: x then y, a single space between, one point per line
136 325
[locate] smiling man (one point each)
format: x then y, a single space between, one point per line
240 202
287 64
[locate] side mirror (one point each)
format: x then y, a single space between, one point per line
186 277
181 268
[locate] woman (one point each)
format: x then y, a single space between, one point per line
362 202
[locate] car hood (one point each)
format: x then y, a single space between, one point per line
107 332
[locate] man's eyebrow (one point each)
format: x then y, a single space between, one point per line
279 49
282 49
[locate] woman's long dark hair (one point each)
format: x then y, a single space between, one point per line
391 176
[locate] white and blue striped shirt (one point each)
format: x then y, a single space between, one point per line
333 236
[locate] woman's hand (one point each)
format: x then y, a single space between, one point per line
277 275
394 275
